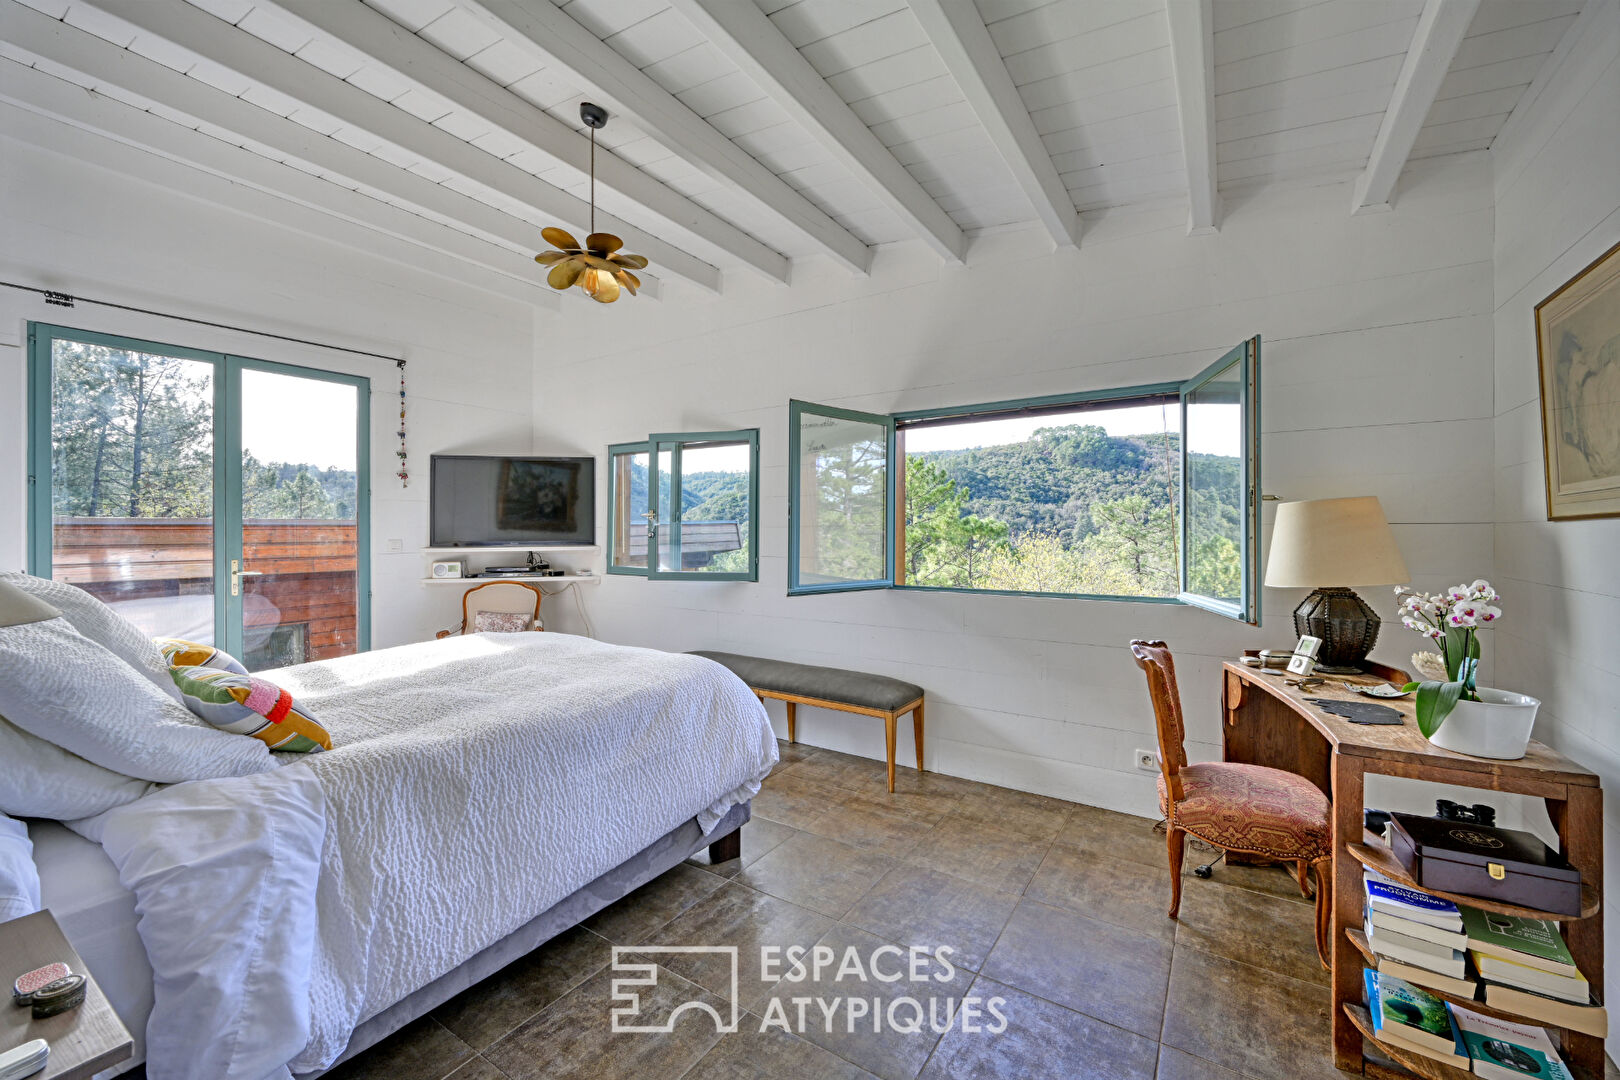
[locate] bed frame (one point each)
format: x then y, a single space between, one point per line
724 842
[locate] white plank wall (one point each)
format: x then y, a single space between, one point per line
1041 694
1557 209
82 228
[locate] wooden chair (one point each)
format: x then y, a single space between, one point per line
1235 807
502 597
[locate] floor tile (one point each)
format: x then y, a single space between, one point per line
792 801
979 852
1040 1040
1118 836
759 836
1114 890
752 1054
1179 1065
738 916
421 1050
919 792
1279 881
477 1069
632 918
817 872
1251 1021
483 1013
865 822
864 1033
913 905
1106 971
1034 816
572 1038
791 754
1250 927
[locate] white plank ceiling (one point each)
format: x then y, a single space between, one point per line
1300 89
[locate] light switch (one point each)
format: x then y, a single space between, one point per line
396 545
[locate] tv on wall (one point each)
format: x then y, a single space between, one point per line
478 501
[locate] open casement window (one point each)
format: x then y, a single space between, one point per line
683 506
841 486
1220 486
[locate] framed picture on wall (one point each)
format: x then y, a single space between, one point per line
1578 353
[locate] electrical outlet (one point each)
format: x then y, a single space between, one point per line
1147 760
396 545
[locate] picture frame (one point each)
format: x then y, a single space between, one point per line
1578 368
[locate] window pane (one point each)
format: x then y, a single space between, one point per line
843 500
715 484
132 484
629 510
664 522
1216 487
300 519
1079 501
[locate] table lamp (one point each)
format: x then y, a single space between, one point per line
1324 544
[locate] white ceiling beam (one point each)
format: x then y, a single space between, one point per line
750 40
61 117
181 24
970 54
551 34
1440 30
392 46
1192 57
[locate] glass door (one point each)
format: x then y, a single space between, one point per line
170 483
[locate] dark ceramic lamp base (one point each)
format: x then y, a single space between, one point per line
1347 626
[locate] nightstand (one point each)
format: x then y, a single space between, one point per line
83 1041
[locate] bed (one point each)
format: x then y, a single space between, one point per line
483 794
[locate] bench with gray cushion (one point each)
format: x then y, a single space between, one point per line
830 688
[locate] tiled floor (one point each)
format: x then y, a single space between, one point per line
1054 908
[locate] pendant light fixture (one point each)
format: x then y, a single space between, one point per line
597 266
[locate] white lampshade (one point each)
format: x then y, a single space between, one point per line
1322 542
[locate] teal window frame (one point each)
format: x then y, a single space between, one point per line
1248 353
673 442
227 480
796 412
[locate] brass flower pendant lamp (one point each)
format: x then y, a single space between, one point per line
597 266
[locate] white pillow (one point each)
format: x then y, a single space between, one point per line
42 780
101 624
59 685
19 877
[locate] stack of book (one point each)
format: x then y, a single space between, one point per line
1418 938
1527 969
1406 1017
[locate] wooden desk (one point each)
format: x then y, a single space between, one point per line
83 1041
1271 723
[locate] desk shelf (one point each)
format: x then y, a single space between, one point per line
1375 855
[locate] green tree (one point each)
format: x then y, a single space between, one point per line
1134 547
945 545
1037 562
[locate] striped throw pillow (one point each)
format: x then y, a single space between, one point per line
178 652
248 705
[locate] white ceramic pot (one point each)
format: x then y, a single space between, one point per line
1496 726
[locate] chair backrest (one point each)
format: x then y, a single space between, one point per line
506 597
1154 658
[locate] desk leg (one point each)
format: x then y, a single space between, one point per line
1579 821
1348 782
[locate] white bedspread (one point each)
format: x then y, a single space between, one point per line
474 783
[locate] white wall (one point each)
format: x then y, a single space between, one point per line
1376 380
1557 180
85 229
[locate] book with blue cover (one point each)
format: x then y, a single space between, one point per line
1405 903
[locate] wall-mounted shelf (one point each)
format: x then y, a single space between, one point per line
520 548
588 579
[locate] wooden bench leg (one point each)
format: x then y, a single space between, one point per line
888 725
793 721
917 732
726 848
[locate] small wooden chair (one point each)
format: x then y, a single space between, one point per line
1235 807
498 597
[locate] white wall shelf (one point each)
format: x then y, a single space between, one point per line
588 579
537 548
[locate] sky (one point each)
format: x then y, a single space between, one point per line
1214 428
298 421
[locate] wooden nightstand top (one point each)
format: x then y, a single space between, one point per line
84 1040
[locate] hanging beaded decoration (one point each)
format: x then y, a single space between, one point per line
404 473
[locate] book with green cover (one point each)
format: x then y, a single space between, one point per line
1533 942
1417 1014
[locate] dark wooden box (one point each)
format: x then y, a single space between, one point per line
1505 865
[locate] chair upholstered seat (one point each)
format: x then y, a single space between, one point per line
1252 808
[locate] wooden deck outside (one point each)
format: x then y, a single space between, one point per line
305 569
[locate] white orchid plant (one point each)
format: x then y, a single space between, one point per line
1452 620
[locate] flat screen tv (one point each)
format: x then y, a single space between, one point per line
511 501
